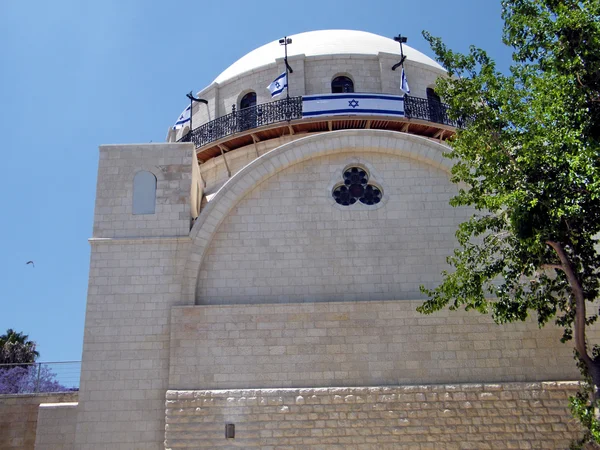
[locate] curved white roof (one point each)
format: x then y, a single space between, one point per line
323 42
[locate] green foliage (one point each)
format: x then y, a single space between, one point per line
583 409
15 348
528 164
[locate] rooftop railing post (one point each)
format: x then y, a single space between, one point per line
39 374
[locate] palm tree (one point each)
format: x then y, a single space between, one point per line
15 348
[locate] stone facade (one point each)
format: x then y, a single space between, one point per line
56 426
19 418
368 343
288 241
170 164
366 143
452 417
275 285
135 278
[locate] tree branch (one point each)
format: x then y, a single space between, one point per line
552 266
579 322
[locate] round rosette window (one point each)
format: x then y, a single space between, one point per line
356 187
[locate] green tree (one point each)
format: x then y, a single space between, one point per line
16 348
528 163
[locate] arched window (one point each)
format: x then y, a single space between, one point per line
341 84
248 100
432 95
246 117
435 110
144 193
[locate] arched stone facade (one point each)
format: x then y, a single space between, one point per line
231 193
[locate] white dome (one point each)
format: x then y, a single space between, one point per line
323 42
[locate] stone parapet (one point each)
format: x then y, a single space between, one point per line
56 426
460 416
19 417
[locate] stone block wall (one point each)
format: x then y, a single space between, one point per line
214 171
56 426
368 343
363 70
19 417
118 164
423 417
288 241
124 372
136 270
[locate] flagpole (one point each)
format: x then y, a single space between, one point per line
287 78
285 41
191 97
401 39
401 53
192 100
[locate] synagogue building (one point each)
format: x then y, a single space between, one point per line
254 279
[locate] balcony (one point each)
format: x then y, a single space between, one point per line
421 116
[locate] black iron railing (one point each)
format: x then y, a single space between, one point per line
290 109
246 119
427 109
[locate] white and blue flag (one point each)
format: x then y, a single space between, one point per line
278 85
404 83
184 117
352 104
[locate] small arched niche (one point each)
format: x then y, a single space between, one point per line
144 193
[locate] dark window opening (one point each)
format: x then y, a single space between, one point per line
248 100
431 95
434 101
247 114
355 188
342 84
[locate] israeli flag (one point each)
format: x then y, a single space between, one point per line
278 85
183 118
404 83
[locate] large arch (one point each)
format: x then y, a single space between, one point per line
269 164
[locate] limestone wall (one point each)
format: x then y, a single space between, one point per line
56 426
367 343
136 268
124 370
423 417
363 70
118 164
19 417
288 240
214 171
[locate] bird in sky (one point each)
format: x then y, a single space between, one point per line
30 262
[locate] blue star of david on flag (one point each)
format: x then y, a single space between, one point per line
183 118
353 103
278 85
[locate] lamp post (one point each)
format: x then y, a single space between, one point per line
192 100
402 40
285 41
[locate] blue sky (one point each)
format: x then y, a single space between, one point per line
78 74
